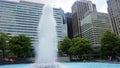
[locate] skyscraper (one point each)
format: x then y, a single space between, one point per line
94 25
23 18
69 24
114 14
79 11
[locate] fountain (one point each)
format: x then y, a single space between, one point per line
46 50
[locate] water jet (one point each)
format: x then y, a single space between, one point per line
46 50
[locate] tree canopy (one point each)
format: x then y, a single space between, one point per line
76 46
80 46
65 45
110 44
20 46
4 38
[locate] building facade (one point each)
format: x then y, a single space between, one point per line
69 24
79 10
93 26
65 31
23 18
114 14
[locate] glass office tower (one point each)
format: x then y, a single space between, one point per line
23 18
94 25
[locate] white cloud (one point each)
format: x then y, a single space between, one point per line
66 5
104 9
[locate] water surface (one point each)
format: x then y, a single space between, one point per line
70 65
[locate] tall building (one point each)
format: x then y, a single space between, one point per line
79 10
114 14
23 18
64 24
93 26
69 24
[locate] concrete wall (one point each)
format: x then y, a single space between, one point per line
63 59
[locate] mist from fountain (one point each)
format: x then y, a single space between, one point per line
46 50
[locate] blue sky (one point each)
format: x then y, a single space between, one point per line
66 4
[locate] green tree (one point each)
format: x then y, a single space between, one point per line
116 49
65 45
4 38
20 46
109 43
80 46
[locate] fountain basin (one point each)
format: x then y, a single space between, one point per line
71 65
47 65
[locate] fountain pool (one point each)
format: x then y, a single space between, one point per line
70 65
